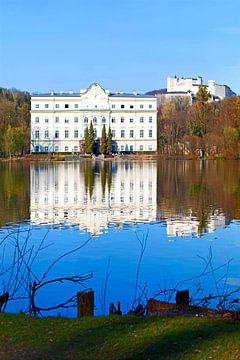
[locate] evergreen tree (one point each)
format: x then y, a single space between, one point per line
86 141
91 138
103 146
203 95
109 141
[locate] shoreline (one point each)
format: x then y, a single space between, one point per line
122 157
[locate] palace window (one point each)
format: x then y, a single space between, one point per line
36 119
141 106
66 134
122 133
46 134
150 119
94 120
56 135
56 148
131 120
141 133
103 120
122 119
113 120
141 119
75 134
150 106
66 148
57 106
75 106
150 133
122 106
46 106
75 149
141 147
131 106
76 119
113 106
46 120
66 121
113 133
131 148
131 133
66 106
37 106
85 120
37 134
56 119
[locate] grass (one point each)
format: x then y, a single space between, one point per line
23 337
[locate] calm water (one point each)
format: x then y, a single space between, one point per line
170 212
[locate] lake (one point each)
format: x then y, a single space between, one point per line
138 227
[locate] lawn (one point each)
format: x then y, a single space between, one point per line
23 337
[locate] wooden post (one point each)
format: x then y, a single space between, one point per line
182 298
85 303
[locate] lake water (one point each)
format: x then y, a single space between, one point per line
145 226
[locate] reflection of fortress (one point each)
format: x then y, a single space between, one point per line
93 195
190 225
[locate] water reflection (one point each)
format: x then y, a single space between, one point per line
189 197
93 194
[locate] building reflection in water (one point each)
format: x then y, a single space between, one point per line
93 195
191 226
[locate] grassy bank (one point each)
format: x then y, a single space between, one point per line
23 337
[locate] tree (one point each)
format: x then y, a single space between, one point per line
231 138
103 145
91 138
8 141
203 95
109 141
86 141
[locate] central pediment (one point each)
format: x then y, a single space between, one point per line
94 91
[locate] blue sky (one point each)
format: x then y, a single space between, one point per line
124 45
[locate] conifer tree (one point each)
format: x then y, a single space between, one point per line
103 145
91 138
109 141
86 141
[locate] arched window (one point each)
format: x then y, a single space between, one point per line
103 120
85 120
94 120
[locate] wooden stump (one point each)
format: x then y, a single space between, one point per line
182 298
85 303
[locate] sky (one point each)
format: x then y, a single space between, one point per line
123 45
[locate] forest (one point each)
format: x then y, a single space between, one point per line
14 122
204 129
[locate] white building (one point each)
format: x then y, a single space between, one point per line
178 85
60 195
58 121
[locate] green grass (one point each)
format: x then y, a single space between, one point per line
23 337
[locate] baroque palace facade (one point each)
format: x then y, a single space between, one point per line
58 121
